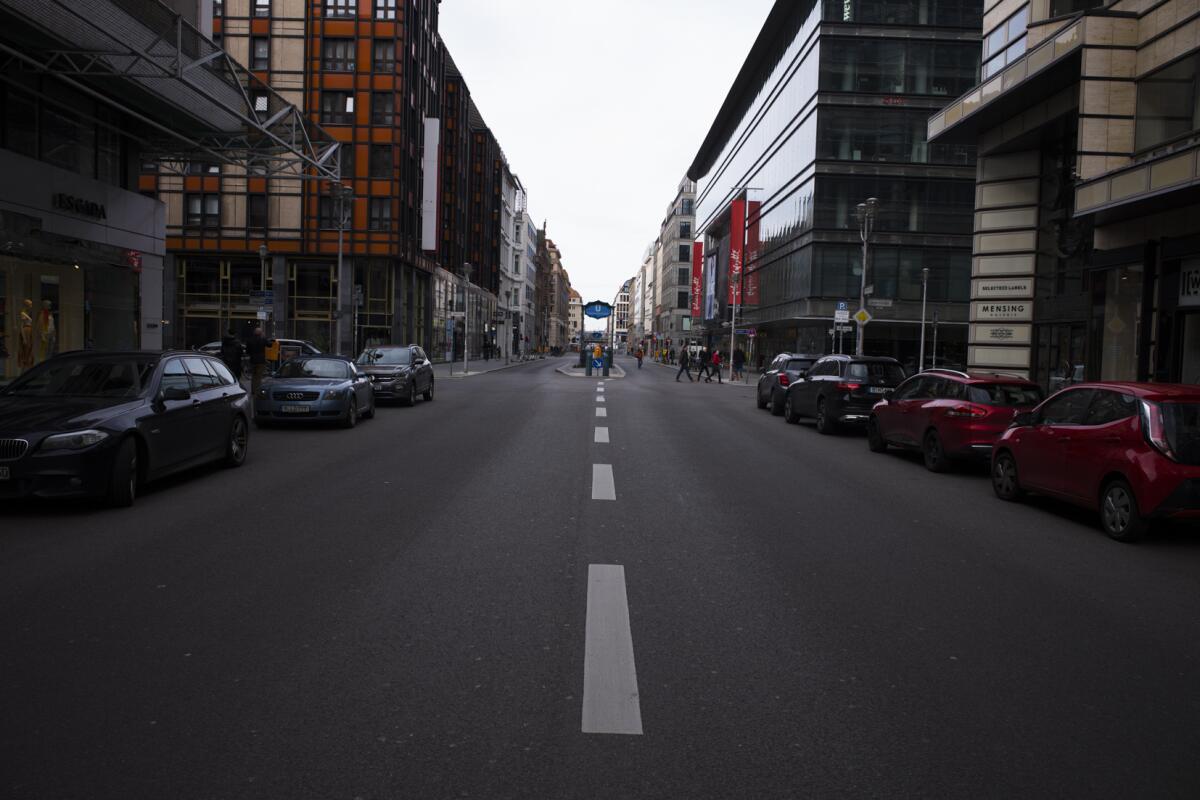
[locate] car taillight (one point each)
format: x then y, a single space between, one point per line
784 380
848 387
967 410
1154 430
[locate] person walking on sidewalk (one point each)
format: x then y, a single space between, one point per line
638 355
739 364
231 354
683 367
701 362
714 367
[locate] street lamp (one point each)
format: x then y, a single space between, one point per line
866 224
466 317
341 193
507 323
262 263
924 295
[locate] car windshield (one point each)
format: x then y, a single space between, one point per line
1181 423
1004 394
388 356
85 377
879 373
798 364
313 368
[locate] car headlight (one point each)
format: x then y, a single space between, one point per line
334 394
76 440
262 392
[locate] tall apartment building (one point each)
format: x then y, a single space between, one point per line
618 321
672 321
525 247
240 241
1086 258
828 110
575 317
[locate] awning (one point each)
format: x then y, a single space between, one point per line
142 59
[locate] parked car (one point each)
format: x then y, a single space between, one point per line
949 414
784 370
398 372
101 424
841 390
1130 451
323 388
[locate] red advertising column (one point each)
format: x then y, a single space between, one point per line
750 294
737 242
697 279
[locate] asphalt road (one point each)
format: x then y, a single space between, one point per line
401 611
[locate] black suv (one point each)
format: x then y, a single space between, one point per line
398 372
786 369
842 390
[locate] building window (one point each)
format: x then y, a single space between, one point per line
685 252
1060 8
894 66
203 210
218 8
682 300
379 214
1005 44
383 55
260 53
338 55
1167 104
327 213
256 212
262 8
683 276
337 107
688 207
381 161
383 108
685 230
341 8
203 168
347 151
385 9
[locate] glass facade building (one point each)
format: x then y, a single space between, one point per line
829 110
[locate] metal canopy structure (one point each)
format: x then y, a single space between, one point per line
196 103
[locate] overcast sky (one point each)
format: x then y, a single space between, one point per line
600 108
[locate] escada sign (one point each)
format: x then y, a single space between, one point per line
77 205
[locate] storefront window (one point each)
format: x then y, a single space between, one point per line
1116 318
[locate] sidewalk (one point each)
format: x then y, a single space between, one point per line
478 366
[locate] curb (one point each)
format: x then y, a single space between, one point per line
614 372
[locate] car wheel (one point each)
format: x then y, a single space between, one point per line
1004 478
351 418
759 401
875 440
123 480
825 423
239 443
428 392
935 455
789 412
776 403
370 412
1119 515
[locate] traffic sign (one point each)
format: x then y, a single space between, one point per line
842 314
842 305
745 331
262 297
597 363
862 316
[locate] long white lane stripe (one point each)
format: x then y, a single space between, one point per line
601 412
610 691
603 487
601 436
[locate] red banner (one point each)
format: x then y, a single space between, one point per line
750 293
697 278
737 242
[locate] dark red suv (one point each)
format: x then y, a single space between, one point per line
1129 450
949 415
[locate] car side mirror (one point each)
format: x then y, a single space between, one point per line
174 393
1024 419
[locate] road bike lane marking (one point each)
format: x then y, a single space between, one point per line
610 691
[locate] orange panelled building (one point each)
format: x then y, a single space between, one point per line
369 72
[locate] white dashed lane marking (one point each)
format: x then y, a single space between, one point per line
600 398
610 690
601 412
601 436
603 487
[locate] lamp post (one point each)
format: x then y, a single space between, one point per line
507 323
263 252
866 223
924 296
466 317
341 193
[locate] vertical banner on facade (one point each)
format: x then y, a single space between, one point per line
697 277
750 284
737 243
430 161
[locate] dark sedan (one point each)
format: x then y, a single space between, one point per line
398 372
782 372
315 388
841 390
99 424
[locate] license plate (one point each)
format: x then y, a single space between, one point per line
877 389
294 409
3 473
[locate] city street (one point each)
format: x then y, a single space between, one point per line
409 609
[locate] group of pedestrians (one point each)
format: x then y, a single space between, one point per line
232 351
708 365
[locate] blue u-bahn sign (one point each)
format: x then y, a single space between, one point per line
598 309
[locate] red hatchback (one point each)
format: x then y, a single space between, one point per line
948 414
1129 450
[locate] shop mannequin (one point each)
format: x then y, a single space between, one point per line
47 332
25 336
